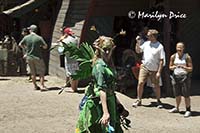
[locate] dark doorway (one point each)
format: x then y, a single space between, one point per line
132 27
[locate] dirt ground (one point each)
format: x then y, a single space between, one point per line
24 110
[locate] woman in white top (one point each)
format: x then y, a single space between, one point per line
181 65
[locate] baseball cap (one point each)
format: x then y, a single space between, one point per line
68 31
33 28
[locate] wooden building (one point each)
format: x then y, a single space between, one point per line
42 13
109 16
72 14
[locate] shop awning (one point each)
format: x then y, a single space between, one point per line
22 9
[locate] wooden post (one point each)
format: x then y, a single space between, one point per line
166 43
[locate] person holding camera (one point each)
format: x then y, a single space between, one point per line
152 64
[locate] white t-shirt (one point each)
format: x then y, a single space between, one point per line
67 40
152 53
71 39
71 65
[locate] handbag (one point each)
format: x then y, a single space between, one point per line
180 78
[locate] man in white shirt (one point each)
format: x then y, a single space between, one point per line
152 64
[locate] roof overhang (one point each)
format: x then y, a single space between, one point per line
22 9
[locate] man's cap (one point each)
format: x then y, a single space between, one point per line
68 31
33 28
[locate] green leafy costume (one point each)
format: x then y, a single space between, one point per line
103 78
92 110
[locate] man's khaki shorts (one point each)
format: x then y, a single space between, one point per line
145 73
37 66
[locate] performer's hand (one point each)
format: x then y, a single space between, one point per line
105 119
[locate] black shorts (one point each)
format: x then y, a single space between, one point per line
182 88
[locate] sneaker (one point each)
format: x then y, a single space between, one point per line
187 114
137 103
159 104
174 110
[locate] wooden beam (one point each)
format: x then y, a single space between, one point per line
9 11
